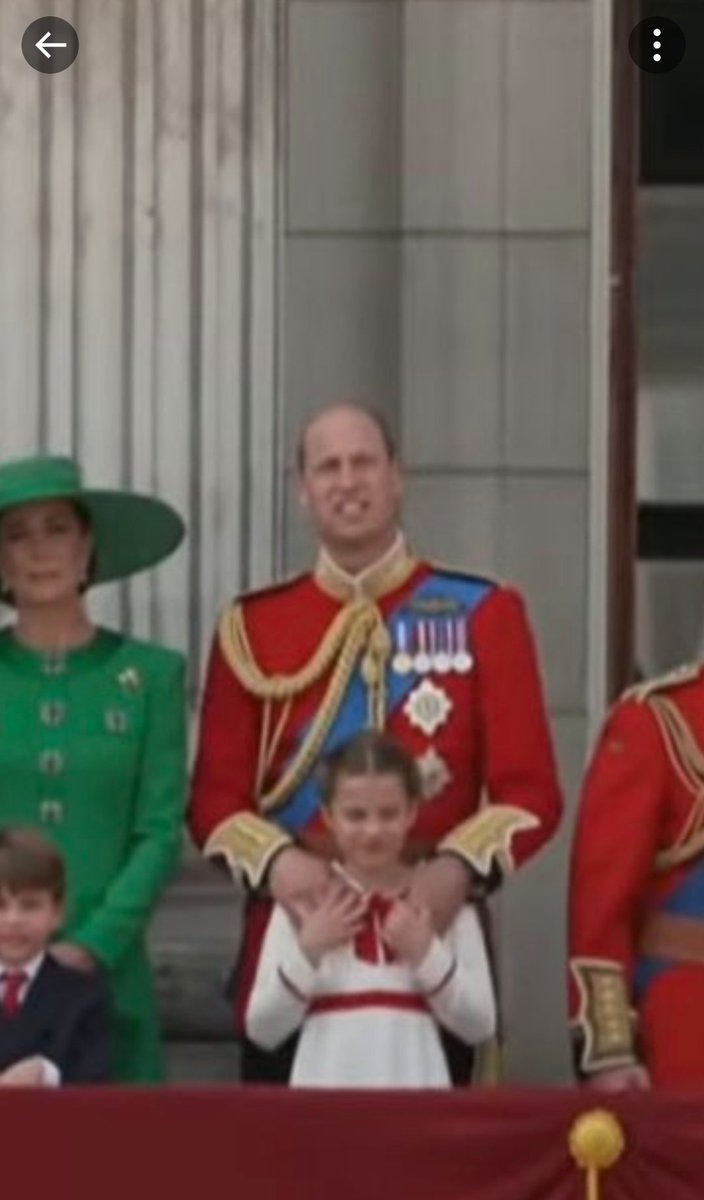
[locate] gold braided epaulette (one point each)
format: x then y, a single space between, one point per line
356 634
640 692
238 653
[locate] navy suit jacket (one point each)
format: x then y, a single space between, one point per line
65 1017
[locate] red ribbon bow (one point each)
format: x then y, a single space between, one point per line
369 944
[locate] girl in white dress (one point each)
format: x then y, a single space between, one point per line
361 973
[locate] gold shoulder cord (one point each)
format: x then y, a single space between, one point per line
357 629
687 760
642 691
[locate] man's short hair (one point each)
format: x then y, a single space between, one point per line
366 410
30 862
370 753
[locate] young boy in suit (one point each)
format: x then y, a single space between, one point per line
54 1020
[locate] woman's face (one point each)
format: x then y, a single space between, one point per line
45 551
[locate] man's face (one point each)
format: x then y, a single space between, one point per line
349 485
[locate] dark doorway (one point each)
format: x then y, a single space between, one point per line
623 365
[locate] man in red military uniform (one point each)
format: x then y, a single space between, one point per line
372 637
637 893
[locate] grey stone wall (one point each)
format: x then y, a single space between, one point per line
436 259
670 599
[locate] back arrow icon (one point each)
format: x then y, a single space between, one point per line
44 45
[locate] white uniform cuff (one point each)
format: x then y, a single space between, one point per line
436 968
298 971
51 1075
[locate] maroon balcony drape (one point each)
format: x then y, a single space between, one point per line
270 1144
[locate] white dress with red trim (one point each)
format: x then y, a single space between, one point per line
365 1019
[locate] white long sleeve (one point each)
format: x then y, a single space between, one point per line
456 981
282 985
454 978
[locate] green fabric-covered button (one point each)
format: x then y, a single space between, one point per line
52 712
116 720
53 664
51 762
51 812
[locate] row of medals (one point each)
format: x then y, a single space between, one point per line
431 644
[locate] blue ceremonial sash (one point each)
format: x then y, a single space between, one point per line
687 900
352 717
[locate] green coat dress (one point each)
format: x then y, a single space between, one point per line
92 751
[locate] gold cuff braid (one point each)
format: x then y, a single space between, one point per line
604 1021
248 843
357 631
485 838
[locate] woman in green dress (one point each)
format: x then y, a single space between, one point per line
92 726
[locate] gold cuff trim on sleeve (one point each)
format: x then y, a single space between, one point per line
605 1019
485 839
248 843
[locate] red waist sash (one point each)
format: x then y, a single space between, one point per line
344 1001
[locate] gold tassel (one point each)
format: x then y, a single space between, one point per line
596 1142
489 1063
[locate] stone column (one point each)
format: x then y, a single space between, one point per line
437 259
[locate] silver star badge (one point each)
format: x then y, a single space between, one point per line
428 707
434 773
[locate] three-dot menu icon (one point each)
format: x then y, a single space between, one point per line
657 45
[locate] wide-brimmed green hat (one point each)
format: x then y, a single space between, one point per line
131 531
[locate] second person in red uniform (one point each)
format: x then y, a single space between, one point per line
637 893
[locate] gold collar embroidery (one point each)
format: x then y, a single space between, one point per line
383 576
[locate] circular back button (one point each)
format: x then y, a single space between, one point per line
50 45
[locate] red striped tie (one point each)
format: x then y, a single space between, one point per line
13 982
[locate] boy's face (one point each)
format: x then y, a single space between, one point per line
369 817
28 920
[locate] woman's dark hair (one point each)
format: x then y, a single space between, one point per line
29 861
370 753
85 520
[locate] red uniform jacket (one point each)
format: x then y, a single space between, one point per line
482 731
636 884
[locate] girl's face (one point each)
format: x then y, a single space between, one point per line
370 817
44 552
